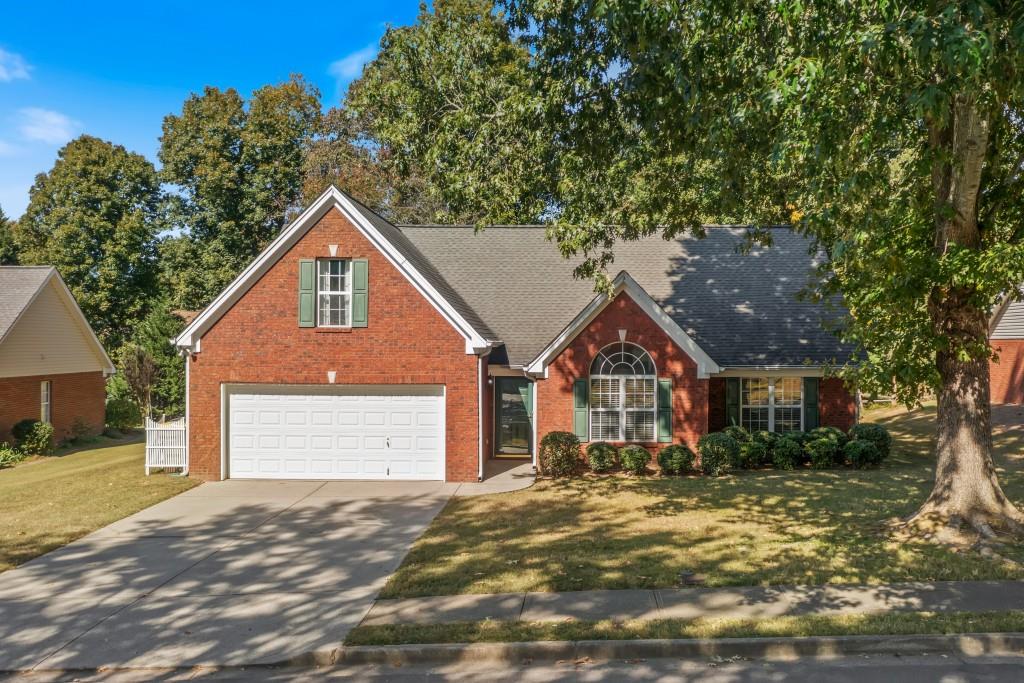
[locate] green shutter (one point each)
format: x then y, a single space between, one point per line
665 410
732 401
581 409
307 293
810 403
360 291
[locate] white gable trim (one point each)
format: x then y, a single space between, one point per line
706 366
331 198
76 314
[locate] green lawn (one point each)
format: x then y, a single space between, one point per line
748 528
897 623
49 502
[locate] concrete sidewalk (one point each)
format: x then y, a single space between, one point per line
691 603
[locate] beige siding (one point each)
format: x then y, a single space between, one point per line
1011 325
48 339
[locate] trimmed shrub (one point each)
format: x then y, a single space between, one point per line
823 452
739 433
23 428
676 459
798 436
123 414
787 453
559 454
601 456
717 451
767 438
876 434
833 433
634 459
39 441
862 453
753 454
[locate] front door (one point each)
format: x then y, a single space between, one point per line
513 413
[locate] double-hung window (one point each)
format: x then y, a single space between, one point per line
334 293
623 395
771 404
45 399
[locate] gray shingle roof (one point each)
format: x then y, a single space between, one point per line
741 309
18 285
427 268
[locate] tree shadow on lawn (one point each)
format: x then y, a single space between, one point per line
748 528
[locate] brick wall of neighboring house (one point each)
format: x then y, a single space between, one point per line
74 396
1007 373
689 394
406 341
837 407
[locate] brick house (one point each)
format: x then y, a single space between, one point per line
52 366
1007 340
352 348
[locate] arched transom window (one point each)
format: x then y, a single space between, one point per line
623 390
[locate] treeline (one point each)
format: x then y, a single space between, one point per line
442 126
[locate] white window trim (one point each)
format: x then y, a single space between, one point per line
46 401
771 401
347 293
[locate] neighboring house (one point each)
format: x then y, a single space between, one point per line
1007 340
355 349
52 367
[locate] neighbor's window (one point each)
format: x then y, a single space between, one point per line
772 404
44 401
623 392
334 293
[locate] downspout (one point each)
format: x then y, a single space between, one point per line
188 407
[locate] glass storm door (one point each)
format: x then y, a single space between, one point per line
513 412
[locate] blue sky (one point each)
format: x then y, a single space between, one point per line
115 69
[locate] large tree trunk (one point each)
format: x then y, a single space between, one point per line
966 490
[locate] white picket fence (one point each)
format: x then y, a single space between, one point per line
165 445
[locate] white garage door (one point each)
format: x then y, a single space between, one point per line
387 432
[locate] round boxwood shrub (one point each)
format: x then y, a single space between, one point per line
739 433
787 453
822 452
862 453
559 454
676 459
876 434
601 456
22 428
717 452
833 433
796 435
38 441
122 414
753 454
634 459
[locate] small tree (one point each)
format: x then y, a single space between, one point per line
140 372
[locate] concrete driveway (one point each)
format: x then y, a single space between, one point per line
234 572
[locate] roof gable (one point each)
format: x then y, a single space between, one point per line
385 237
625 284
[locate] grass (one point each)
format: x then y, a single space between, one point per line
51 501
748 528
897 623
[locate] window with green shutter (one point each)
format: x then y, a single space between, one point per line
581 409
307 293
665 410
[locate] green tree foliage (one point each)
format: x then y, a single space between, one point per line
94 216
444 125
890 132
236 172
154 334
8 247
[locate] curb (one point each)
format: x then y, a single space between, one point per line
779 649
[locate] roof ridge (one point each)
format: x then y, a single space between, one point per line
780 226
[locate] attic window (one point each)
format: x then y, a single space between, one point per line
334 293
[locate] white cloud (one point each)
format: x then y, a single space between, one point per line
7 149
12 66
47 126
351 66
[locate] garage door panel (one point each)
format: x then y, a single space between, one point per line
346 436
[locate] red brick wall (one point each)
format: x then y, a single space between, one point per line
74 395
689 394
836 406
1007 373
406 342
